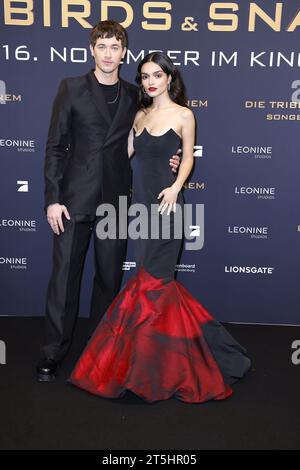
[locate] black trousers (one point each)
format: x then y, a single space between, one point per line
69 253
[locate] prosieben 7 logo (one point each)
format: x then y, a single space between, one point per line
198 151
22 186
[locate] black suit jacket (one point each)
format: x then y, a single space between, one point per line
86 154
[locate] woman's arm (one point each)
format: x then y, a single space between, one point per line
188 137
130 144
130 147
188 140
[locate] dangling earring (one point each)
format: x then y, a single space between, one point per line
169 86
144 91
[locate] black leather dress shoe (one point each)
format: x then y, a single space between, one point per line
46 370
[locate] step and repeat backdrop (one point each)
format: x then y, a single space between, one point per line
241 65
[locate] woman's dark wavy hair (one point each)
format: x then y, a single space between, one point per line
177 87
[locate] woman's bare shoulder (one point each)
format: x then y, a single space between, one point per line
184 116
187 115
139 115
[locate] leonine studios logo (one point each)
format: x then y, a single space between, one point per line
8 96
20 145
246 231
22 225
13 262
261 192
262 152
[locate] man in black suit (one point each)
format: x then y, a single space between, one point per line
86 164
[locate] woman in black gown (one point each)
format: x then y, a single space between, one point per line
156 340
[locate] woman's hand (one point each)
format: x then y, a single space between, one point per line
169 199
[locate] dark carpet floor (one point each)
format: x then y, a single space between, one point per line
263 413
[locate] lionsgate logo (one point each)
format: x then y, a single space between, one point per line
255 151
146 222
13 263
261 192
21 145
249 270
6 97
251 232
23 225
2 352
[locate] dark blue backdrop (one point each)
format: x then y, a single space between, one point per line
246 148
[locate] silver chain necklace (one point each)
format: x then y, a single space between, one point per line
114 101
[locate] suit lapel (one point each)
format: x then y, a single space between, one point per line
98 97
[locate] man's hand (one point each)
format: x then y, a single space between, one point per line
174 162
54 217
